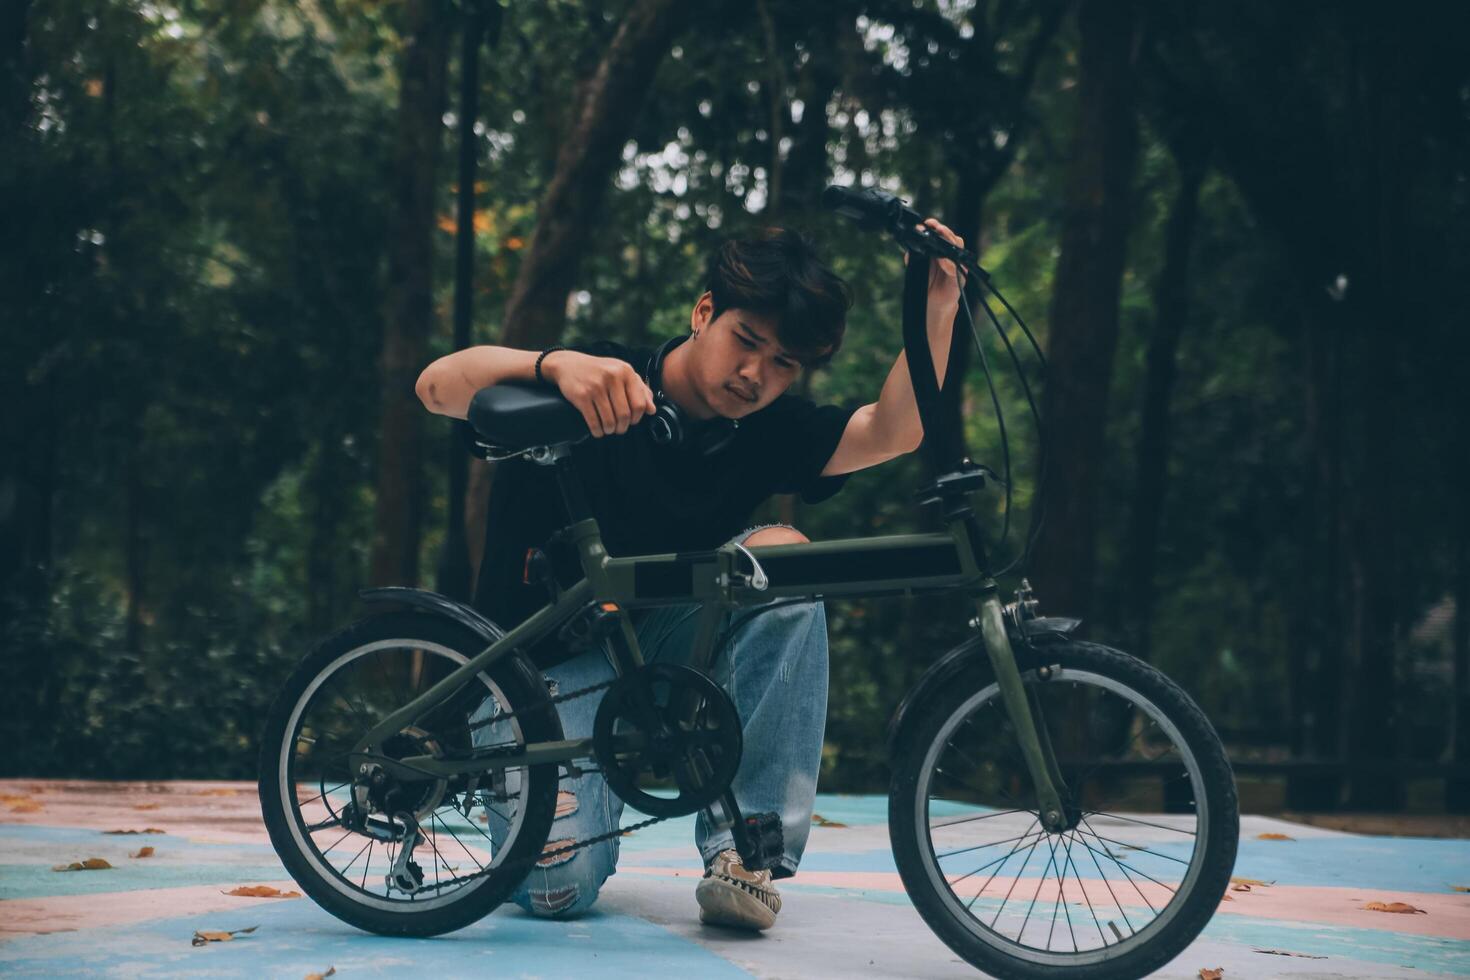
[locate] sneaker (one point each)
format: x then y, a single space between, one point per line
729 895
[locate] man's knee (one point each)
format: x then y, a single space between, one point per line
776 534
563 886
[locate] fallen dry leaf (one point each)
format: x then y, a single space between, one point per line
1273 837
322 976
1399 907
142 852
218 792
1460 888
145 830
1208 974
25 806
1226 898
1282 952
1240 888
145 806
90 864
13 798
260 891
822 821
205 937
1249 881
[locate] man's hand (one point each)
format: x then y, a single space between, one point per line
945 281
606 390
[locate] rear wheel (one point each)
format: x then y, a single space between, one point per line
349 861
1153 819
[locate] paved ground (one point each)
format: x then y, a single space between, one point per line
845 915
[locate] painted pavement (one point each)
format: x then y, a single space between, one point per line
845 914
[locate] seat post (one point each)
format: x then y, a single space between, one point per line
570 484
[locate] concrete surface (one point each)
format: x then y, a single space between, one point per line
845 915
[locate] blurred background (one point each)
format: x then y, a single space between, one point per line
236 230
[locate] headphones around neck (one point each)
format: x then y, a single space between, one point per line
670 426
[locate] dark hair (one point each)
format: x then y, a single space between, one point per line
776 273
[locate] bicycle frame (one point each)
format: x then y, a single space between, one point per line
887 565
906 564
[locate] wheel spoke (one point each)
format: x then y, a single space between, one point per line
1085 897
1135 847
1030 852
988 864
984 816
1052 849
1146 823
977 847
1108 882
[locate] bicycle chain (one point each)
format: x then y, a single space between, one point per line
551 699
534 859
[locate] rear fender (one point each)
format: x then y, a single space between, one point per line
437 605
434 604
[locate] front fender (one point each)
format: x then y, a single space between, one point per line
970 655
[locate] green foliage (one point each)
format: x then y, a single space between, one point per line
190 319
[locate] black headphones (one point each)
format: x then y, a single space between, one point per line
669 426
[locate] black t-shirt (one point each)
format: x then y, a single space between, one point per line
652 499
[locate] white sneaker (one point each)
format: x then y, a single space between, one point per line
729 895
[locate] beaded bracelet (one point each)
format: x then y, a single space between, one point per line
553 347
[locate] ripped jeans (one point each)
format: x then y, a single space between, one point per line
775 670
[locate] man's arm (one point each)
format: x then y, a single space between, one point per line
607 391
447 385
891 426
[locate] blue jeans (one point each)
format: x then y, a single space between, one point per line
775 670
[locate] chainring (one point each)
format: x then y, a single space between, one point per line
669 721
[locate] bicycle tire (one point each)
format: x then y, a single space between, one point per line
921 868
515 685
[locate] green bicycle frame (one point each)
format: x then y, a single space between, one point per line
906 564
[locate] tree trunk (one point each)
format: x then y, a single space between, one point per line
328 476
1171 308
135 559
409 300
1323 600
483 22
797 182
1084 322
607 106
1373 549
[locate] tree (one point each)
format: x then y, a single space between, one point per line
1084 320
409 302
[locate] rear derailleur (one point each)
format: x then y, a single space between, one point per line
373 792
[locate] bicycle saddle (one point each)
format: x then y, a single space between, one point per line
519 416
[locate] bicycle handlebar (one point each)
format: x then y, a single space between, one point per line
877 210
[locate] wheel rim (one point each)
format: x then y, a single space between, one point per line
1102 889
337 707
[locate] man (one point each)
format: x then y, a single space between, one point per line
771 310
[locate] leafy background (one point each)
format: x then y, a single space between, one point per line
202 199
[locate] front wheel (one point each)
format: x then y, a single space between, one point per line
349 858
1153 819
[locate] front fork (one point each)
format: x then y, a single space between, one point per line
1025 715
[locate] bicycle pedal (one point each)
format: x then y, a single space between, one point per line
764 843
